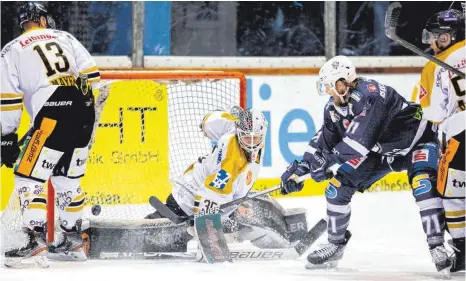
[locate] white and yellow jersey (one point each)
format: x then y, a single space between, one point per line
442 93
222 176
34 65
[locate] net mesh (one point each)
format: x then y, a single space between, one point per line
136 152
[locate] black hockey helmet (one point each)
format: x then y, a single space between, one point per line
449 21
31 11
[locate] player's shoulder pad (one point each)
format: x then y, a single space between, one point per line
217 123
230 146
329 105
428 72
69 36
8 47
368 88
64 34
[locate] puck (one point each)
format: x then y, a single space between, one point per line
96 210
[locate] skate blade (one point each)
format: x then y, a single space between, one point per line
67 256
446 274
20 263
327 265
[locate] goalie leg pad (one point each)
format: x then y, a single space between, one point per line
267 225
212 242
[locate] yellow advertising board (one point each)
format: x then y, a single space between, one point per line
129 161
391 182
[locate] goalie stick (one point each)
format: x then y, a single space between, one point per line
167 213
391 21
214 247
300 248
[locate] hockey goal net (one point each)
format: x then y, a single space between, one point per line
147 133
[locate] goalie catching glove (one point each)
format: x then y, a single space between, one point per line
10 149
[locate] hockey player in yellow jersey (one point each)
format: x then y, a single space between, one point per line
230 171
442 97
53 74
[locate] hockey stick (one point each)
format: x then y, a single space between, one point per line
311 237
236 254
167 213
25 136
391 21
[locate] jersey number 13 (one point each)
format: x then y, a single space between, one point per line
61 66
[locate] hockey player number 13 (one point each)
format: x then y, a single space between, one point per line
53 47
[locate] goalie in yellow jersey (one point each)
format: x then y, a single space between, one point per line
229 172
442 97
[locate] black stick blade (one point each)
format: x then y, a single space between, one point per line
165 211
311 237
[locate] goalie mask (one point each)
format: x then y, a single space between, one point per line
335 69
251 128
33 12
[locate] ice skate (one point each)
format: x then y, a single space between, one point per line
442 260
327 256
458 246
71 246
30 255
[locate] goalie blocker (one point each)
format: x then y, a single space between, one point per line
273 231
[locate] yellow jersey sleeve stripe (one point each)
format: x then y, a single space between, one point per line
230 117
456 213
456 225
94 80
11 107
89 70
11 96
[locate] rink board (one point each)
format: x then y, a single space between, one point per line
129 161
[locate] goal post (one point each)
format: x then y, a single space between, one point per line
146 135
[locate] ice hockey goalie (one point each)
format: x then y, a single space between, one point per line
227 173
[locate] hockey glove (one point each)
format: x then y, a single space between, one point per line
10 149
298 169
83 84
321 164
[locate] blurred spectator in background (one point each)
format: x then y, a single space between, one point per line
234 28
280 28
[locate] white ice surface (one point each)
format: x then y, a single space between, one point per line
387 244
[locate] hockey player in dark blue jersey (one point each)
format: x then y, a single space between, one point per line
369 130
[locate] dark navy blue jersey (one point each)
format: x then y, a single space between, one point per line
376 118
